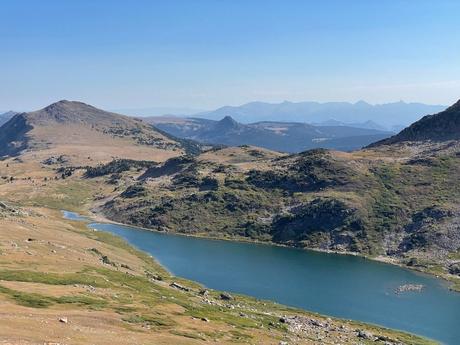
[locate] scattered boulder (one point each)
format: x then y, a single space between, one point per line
365 335
316 323
105 260
225 296
178 286
153 276
6 209
204 292
455 268
55 160
126 266
409 287
63 320
412 262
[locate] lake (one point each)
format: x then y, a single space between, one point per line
337 285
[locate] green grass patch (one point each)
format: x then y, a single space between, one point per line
153 321
25 299
53 278
35 300
189 335
71 194
213 313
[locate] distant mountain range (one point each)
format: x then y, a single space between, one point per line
389 116
397 198
281 127
439 127
157 111
279 136
367 124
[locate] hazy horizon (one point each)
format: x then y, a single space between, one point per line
186 111
116 56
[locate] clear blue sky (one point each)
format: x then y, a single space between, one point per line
203 54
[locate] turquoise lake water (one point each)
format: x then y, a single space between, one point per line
337 285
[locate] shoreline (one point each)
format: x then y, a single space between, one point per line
99 218
452 285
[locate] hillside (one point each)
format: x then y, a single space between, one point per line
279 136
396 202
61 283
388 115
399 202
91 287
83 132
443 126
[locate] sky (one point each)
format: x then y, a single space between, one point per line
203 54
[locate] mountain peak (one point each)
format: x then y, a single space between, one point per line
67 105
226 124
65 111
228 121
63 101
66 122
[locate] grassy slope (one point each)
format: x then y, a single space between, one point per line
401 206
52 268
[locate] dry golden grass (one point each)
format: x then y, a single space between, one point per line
84 146
243 157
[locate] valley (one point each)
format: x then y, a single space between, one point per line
229 172
393 201
292 137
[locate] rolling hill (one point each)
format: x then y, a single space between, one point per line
83 132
